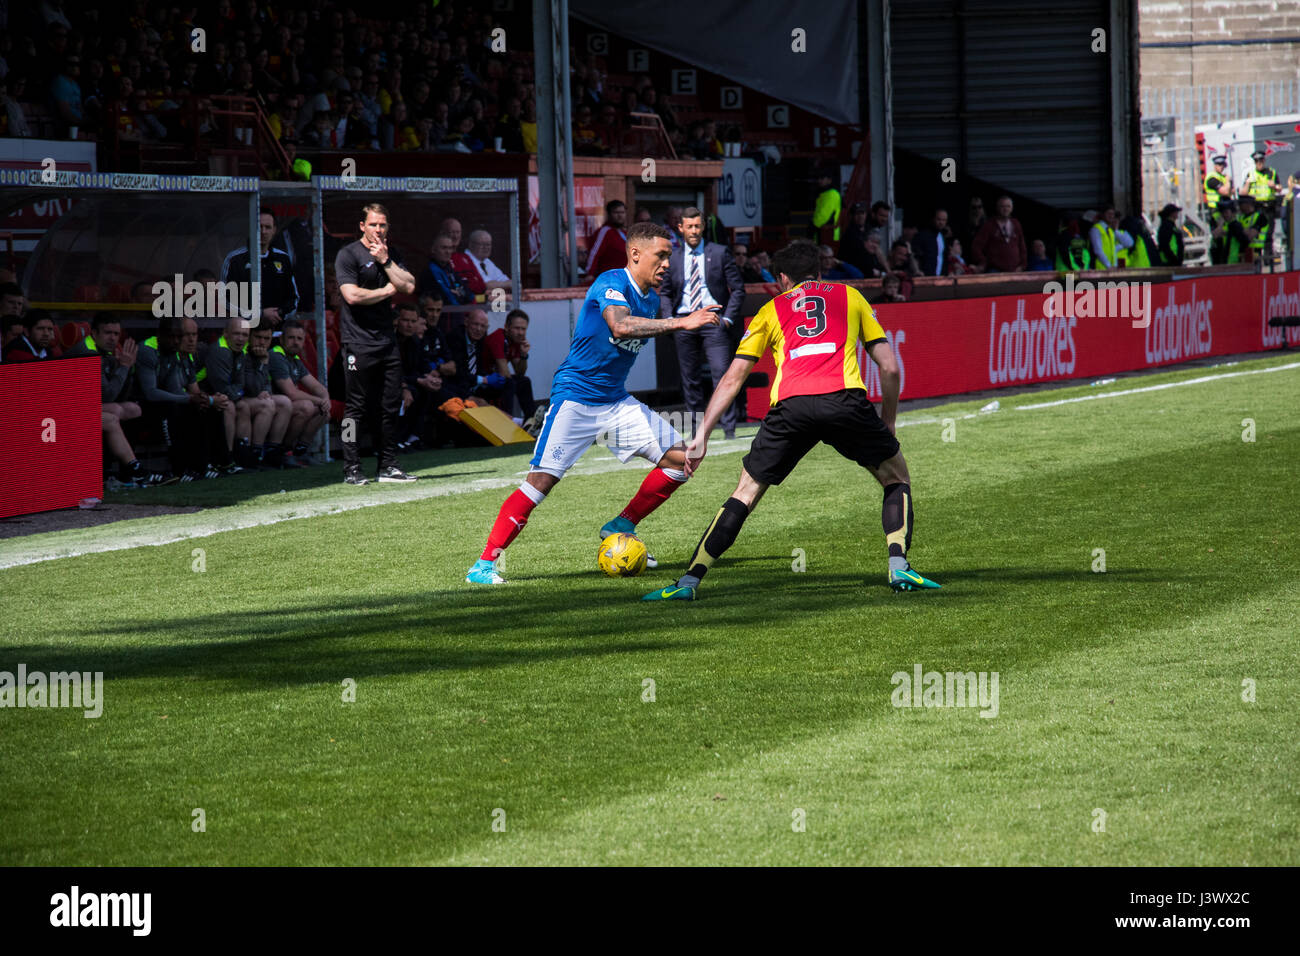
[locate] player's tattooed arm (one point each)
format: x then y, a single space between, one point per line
624 325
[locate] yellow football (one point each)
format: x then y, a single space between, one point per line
622 555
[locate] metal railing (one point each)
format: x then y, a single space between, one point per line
1171 170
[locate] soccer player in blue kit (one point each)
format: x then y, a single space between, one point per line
589 397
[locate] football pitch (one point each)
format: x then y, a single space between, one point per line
1126 566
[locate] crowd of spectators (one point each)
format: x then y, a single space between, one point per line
980 245
327 76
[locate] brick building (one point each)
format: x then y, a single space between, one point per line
1186 43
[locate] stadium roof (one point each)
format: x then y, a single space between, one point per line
753 45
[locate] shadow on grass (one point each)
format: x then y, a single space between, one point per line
464 628
310 659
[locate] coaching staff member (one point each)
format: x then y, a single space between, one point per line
279 290
369 275
700 275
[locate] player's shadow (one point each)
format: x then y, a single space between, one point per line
314 642
309 659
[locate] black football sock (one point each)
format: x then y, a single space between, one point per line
721 534
896 518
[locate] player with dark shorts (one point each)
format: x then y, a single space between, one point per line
369 275
813 329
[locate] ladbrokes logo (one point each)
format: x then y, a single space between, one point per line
1022 348
1180 331
1280 304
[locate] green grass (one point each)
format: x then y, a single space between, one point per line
1119 690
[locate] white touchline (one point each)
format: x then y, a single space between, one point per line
1156 388
127 539
207 523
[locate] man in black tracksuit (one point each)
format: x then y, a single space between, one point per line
369 275
279 289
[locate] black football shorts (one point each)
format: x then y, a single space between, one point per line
845 420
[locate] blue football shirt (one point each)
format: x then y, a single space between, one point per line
595 370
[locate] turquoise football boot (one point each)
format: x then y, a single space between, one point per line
671 593
910 580
484 572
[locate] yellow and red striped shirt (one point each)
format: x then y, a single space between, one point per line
813 332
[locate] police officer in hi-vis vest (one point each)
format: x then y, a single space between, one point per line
1264 186
1262 182
1256 223
1217 187
1228 241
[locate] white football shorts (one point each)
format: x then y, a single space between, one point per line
627 427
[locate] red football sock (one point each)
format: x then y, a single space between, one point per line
654 491
510 521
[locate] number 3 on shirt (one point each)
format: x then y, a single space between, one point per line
814 306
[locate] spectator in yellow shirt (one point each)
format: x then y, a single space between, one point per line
826 211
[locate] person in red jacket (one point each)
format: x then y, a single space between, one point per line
999 244
608 247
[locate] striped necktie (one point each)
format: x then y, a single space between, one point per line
694 287
471 352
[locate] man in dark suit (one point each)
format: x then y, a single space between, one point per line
474 373
932 245
703 274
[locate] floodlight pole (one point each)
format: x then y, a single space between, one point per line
322 336
554 143
255 251
879 119
560 15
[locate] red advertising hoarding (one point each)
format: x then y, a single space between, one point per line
969 345
50 435
588 211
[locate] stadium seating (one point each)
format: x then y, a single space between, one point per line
73 332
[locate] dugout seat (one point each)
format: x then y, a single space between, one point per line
72 332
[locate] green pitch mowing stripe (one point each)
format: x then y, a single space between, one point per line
1119 691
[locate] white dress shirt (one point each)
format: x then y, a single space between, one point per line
487 269
694 259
